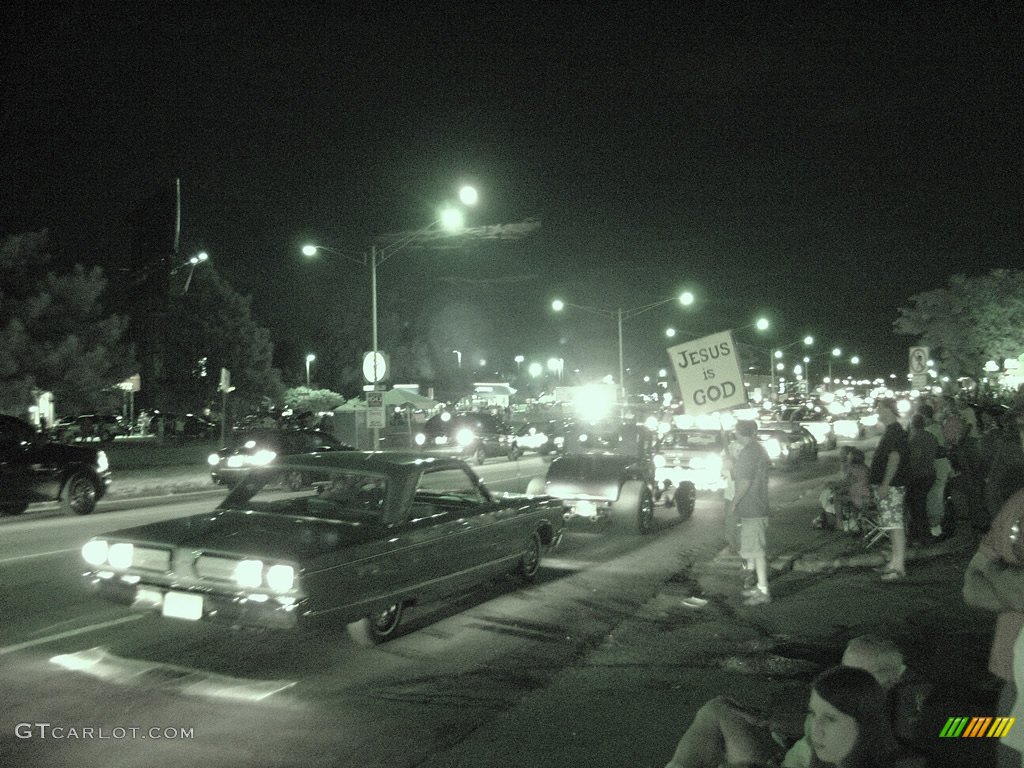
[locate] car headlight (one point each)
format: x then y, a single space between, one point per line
213 459
249 573
120 554
281 578
94 552
420 438
262 457
464 437
102 463
659 461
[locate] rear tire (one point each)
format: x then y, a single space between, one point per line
633 511
529 563
375 629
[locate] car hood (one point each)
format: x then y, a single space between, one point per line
252 534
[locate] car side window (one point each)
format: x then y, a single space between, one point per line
448 488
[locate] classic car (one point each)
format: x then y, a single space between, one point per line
605 473
260 447
788 447
379 532
475 436
687 461
36 468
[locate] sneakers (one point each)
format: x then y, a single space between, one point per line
894 576
758 598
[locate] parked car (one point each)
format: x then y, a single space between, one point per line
261 447
104 427
790 446
687 461
192 425
379 531
471 436
605 473
35 468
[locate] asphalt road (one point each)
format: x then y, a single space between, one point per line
597 664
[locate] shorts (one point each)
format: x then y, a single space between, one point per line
753 536
890 509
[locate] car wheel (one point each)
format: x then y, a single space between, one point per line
377 628
12 509
480 457
634 509
685 500
80 494
294 480
529 563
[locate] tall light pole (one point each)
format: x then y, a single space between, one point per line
450 219
191 263
309 359
620 315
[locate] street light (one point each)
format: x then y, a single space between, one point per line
450 219
685 298
191 263
309 359
458 355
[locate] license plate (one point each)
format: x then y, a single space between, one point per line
181 605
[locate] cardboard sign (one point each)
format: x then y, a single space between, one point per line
708 372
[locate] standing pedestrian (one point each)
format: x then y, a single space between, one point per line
935 502
924 450
888 475
750 504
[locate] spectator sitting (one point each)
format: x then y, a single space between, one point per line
724 732
845 500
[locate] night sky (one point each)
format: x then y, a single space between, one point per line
816 165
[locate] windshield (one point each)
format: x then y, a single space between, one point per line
335 495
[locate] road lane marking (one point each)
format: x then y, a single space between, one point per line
37 554
99 663
70 633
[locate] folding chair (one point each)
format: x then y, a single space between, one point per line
872 532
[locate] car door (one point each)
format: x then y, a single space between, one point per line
27 472
455 518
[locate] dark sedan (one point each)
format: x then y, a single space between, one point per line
378 532
471 436
260 447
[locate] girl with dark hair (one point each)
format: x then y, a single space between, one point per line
849 721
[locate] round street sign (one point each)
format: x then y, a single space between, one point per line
375 367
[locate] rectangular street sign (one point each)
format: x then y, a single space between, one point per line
375 410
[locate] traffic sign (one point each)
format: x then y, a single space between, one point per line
375 367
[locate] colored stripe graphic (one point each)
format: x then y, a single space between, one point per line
976 727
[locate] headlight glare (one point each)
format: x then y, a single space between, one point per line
249 573
280 577
420 438
213 459
262 457
95 552
120 555
464 437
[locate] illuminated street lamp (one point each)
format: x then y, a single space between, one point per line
519 363
309 359
450 219
685 298
191 263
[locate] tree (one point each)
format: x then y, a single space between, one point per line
974 320
54 335
210 328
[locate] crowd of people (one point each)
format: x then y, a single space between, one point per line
949 463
